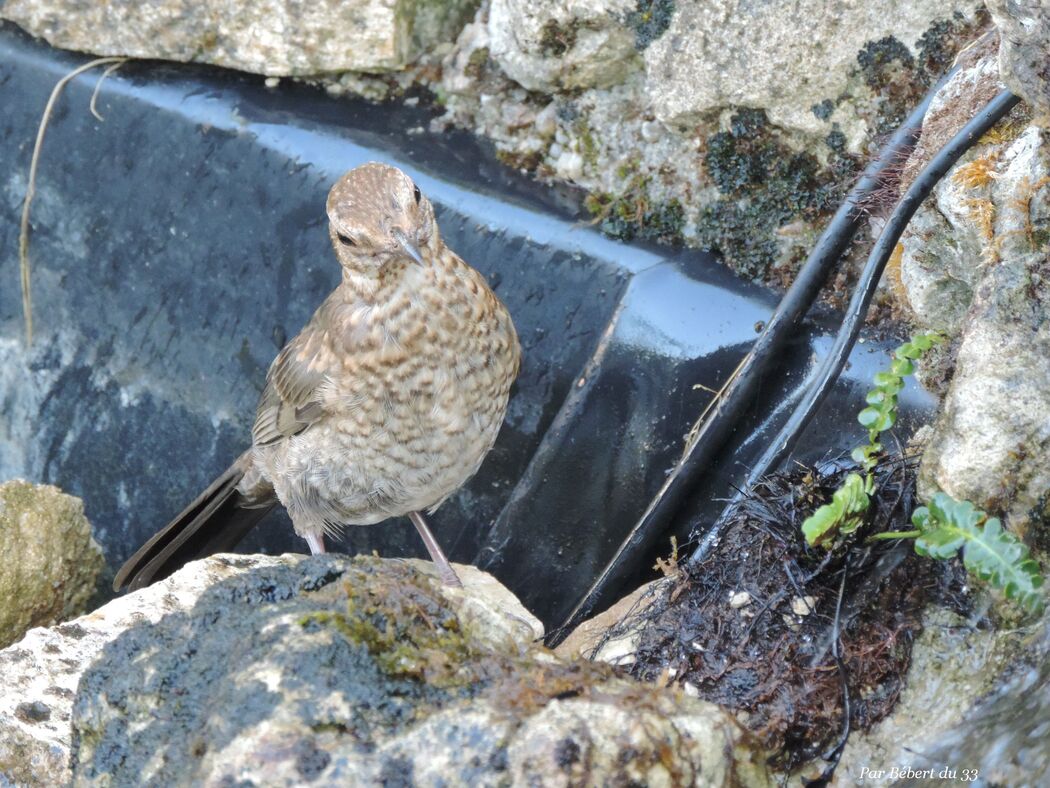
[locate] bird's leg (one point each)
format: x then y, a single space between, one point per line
447 573
316 542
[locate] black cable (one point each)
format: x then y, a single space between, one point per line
821 383
739 394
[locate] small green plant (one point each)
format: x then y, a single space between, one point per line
846 511
844 514
946 525
992 554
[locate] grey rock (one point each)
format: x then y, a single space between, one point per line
975 264
991 443
337 671
954 666
44 668
273 37
553 45
1003 739
51 562
1024 44
783 56
642 139
945 246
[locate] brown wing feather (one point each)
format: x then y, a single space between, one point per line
289 403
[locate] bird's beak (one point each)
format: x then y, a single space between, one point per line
410 248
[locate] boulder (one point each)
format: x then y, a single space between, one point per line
50 561
975 264
1002 738
955 666
784 57
335 671
725 125
1024 40
273 37
553 45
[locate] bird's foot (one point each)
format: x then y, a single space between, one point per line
445 571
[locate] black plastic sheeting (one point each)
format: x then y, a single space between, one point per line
180 242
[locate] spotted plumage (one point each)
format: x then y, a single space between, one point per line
389 398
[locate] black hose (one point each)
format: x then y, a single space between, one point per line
738 395
822 382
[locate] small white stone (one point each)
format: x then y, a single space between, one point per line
569 165
739 599
803 605
411 101
690 689
272 82
652 131
547 121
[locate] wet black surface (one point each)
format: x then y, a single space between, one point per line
178 243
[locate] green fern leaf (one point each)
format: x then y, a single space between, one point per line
843 515
990 553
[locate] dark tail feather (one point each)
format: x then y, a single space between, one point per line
215 522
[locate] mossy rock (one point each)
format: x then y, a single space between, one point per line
365 671
50 564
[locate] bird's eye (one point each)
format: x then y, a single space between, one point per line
345 240
418 194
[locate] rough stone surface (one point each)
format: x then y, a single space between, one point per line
718 53
1003 738
954 664
553 45
336 671
274 37
601 637
51 562
975 264
991 443
1024 30
738 133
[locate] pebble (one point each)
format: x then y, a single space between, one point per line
570 165
739 599
652 131
803 605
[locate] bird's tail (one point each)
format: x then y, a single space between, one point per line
215 522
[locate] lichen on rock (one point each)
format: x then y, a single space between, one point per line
739 131
975 264
51 561
339 671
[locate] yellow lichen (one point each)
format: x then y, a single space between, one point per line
979 172
982 213
1006 130
893 274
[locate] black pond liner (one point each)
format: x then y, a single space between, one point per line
177 244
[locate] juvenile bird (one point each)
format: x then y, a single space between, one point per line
383 405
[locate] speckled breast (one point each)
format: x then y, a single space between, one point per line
414 405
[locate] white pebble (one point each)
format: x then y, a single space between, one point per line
272 82
739 599
652 131
547 121
803 605
569 165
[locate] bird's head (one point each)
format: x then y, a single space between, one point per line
378 216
